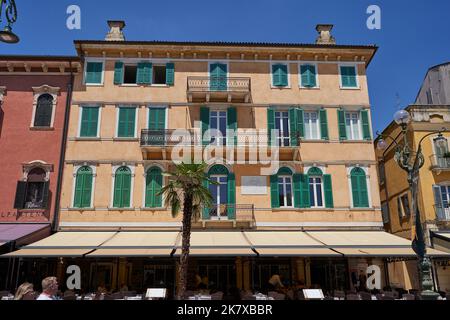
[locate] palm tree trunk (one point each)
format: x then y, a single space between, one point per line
186 243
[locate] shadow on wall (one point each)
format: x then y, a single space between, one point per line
2 114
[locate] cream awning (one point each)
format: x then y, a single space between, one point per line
47 253
287 243
210 243
369 243
443 235
138 244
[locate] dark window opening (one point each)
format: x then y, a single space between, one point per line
159 75
130 74
44 110
33 193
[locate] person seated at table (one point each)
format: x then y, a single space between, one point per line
25 289
275 283
102 289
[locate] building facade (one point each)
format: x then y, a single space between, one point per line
435 89
33 101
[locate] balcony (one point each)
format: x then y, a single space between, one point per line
442 213
214 89
440 163
229 215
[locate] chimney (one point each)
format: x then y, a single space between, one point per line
115 33
325 36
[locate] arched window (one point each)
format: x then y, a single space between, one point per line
281 189
359 188
153 185
34 192
122 188
44 111
83 188
223 191
316 194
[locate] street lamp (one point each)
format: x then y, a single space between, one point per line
11 17
411 162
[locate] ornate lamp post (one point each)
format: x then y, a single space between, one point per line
10 9
411 162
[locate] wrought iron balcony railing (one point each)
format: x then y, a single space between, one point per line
440 162
230 212
218 84
442 213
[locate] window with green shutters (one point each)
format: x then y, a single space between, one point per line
323 117
122 188
204 118
83 188
153 186
170 74
232 126
89 121
280 75
308 76
218 73
348 77
94 73
365 122
118 73
360 194
126 127
144 73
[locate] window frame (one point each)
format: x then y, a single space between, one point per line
315 206
284 184
355 66
144 189
224 138
287 64
76 168
360 131
316 67
156 64
401 209
37 93
319 131
80 117
93 60
132 169
136 118
135 84
280 137
369 192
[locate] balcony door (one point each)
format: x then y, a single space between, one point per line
219 192
218 126
218 74
282 125
156 126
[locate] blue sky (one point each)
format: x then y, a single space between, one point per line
414 35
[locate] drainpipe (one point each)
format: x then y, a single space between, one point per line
63 150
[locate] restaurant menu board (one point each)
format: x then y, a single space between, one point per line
156 293
313 294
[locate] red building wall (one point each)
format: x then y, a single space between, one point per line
20 144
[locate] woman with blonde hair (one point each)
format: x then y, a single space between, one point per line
24 289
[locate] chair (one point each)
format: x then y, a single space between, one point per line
217 296
408 296
352 297
365 295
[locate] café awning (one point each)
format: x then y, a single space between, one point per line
138 244
287 243
210 243
369 243
63 244
23 233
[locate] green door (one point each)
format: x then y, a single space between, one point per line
218 74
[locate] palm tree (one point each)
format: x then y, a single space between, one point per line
187 185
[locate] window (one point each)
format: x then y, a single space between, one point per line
34 192
311 123
352 126
130 74
44 111
218 127
403 206
83 188
159 74
89 121
308 76
285 188
94 73
360 193
122 188
385 212
280 75
126 127
218 73
442 202
441 154
381 172
153 186
348 77
223 192
282 125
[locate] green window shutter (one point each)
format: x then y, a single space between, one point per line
297 179
280 75
364 195
127 122
300 123
218 74
204 118
359 188
305 201
276 76
231 210
348 76
89 121
144 73
355 191
170 74
156 118
274 192
365 125
328 190
342 128
94 72
78 198
270 124
126 190
293 127
122 188
284 75
118 73
232 126
153 182
118 181
205 211
308 76
323 124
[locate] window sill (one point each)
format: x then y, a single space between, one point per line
125 139
93 84
280 88
121 209
36 210
362 209
81 209
357 141
350 88
87 139
314 141
309 88
42 129
153 209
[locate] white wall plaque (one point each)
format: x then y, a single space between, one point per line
254 185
